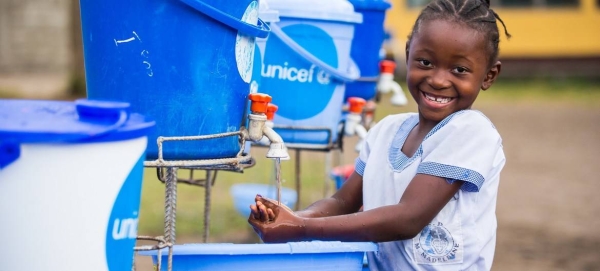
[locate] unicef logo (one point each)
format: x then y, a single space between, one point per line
436 244
299 87
121 229
323 77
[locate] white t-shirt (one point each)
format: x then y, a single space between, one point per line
464 146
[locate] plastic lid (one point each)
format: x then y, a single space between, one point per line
330 10
40 121
252 249
387 66
266 14
370 4
271 109
356 104
259 102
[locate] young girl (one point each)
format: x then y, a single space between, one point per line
427 181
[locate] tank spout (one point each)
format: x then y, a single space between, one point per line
353 120
277 148
386 83
260 126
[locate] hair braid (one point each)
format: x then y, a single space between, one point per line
474 7
476 14
508 35
464 3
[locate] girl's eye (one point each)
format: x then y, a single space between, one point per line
460 70
424 62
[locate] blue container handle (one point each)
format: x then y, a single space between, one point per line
297 48
260 31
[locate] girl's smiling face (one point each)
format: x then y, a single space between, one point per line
447 66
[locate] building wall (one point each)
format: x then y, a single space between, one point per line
538 32
35 36
546 40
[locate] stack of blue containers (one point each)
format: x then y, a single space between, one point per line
366 48
314 60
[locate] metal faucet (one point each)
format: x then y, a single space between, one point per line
386 83
353 121
257 126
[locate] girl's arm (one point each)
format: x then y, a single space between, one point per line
423 199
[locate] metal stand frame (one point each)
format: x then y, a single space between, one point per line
167 173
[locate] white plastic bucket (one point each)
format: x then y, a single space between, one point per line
305 62
70 184
267 15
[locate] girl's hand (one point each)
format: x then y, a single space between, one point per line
276 223
259 211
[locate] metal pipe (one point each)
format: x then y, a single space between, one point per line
210 177
297 179
170 211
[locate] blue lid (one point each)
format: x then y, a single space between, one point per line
330 10
370 4
41 121
251 249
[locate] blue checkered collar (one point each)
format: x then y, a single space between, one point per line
397 159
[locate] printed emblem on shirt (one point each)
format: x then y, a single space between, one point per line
436 244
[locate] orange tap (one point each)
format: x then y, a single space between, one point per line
259 102
387 66
271 109
356 104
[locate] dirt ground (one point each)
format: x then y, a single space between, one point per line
549 197
548 201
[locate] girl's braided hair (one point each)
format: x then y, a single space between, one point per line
476 14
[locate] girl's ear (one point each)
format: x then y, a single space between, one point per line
406 50
491 76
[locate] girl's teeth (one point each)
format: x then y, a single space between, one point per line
438 99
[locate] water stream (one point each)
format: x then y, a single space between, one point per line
278 178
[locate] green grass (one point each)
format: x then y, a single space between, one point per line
584 91
227 225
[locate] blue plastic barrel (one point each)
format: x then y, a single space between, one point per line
70 175
293 256
185 63
305 64
366 46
